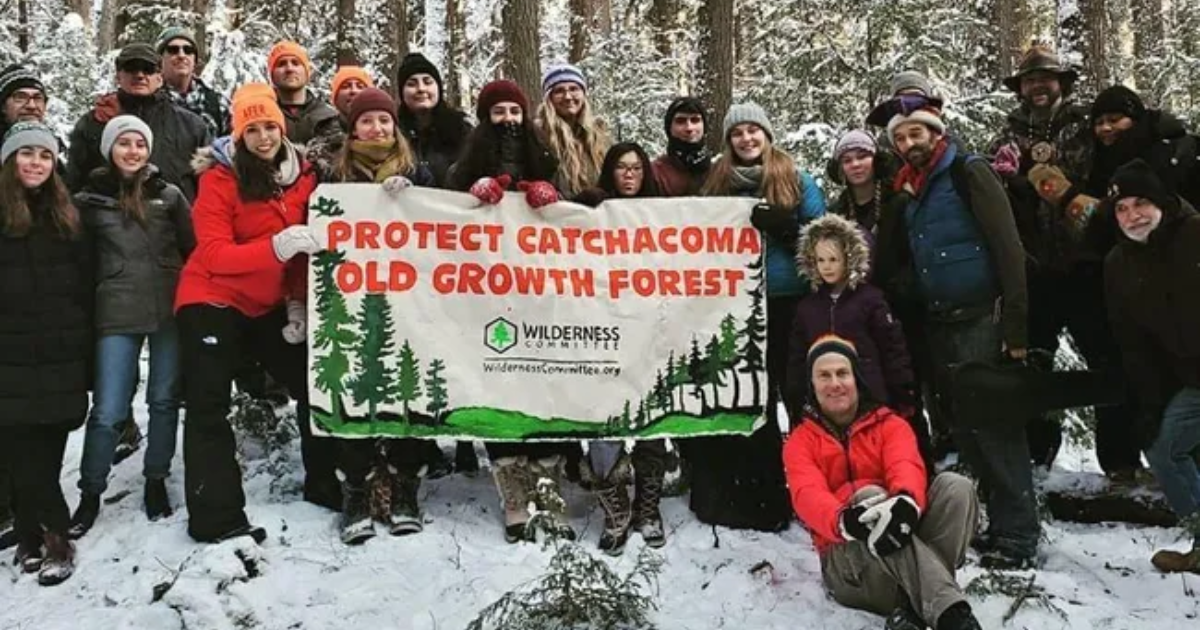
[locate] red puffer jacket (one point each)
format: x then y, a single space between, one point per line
234 262
824 469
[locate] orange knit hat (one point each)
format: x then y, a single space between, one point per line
288 49
345 73
255 102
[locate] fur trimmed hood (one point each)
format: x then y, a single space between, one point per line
847 234
222 150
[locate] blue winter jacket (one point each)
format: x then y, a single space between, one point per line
782 278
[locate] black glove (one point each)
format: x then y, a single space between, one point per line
590 197
850 522
895 522
778 223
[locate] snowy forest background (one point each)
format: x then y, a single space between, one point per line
816 65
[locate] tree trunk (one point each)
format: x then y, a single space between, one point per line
1011 23
347 52
104 28
397 40
456 55
664 16
84 9
1149 35
522 63
235 15
200 29
23 26
716 61
1093 37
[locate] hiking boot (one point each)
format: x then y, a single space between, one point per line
904 618
59 562
958 617
437 466
997 559
552 507
29 556
613 493
131 441
355 523
405 516
1169 561
158 505
465 460
647 520
85 515
515 485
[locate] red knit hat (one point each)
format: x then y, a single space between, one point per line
371 100
502 91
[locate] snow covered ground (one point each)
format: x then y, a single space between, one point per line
1096 577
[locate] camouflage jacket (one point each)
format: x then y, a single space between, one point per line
206 103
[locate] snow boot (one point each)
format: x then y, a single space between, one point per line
904 618
515 485
552 508
647 491
85 515
131 441
613 493
405 516
355 523
158 504
958 617
59 562
1169 561
435 460
29 556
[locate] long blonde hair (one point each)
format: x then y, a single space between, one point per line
579 147
780 184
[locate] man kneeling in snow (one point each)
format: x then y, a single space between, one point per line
889 541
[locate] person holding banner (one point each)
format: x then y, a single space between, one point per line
376 152
506 152
575 136
738 481
241 294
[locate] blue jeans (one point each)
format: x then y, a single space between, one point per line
116 382
1170 456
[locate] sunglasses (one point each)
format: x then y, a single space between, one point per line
180 49
143 67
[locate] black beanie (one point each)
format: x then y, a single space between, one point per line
838 345
1138 179
1118 99
686 105
17 76
416 63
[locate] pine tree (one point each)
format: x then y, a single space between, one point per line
626 418
729 355
408 381
712 367
65 59
695 371
435 388
754 332
373 383
334 331
678 377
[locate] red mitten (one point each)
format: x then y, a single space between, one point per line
490 190
539 193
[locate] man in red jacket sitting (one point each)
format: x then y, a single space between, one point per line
889 541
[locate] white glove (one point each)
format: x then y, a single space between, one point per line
294 239
296 330
396 184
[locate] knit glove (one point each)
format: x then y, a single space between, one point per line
850 522
396 184
1080 210
895 523
294 239
296 330
1007 160
490 190
538 193
1049 182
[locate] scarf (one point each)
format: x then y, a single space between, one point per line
911 180
694 156
289 166
746 178
377 159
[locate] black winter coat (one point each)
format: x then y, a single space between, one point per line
45 327
178 134
438 145
1153 295
137 266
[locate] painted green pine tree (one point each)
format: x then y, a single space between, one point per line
373 383
334 333
626 419
408 378
326 207
435 388
661 397
695 370
642 416
711 368
729 355
755 334
678 376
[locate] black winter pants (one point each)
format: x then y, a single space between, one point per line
213 342
781 314
35 454
1075 300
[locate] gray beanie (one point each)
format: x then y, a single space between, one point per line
910 80
120 125
747 113
855 140
28 134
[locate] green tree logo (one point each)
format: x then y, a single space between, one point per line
500 335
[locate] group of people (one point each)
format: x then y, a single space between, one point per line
178 220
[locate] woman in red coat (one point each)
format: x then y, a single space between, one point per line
242 293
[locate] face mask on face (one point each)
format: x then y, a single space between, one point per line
509 129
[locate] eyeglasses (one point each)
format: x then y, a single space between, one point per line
25 98
180 49
629 169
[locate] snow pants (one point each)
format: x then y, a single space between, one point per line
213 341
35 455
923 571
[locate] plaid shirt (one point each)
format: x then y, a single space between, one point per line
206 103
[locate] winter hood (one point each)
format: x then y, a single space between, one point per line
222 150
849 238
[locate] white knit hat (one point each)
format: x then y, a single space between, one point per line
927 116
120 125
